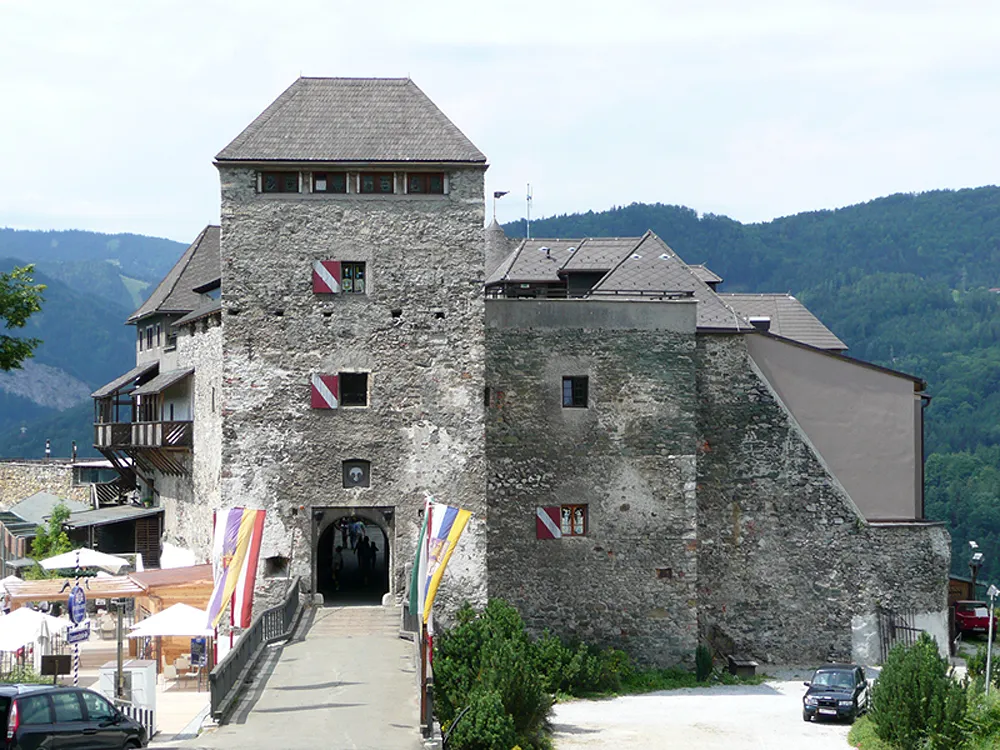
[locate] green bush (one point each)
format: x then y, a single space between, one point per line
491 653
916 705
977 666
486 725
982 720
702 662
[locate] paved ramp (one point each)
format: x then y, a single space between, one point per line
348 683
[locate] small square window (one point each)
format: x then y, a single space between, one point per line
425 182
357 473
574 395
573 520
352 278
279 182
377 182
329 182
275 567
354 389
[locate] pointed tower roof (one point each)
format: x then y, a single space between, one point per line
352 120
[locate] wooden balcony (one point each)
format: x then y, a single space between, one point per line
120 435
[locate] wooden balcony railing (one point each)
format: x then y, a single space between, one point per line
144 434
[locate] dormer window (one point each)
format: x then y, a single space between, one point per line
376 182
329 182
425 182
279 182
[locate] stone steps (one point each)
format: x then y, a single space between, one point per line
356 621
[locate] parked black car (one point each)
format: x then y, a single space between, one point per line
836 691
44 716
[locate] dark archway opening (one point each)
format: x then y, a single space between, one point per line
362 579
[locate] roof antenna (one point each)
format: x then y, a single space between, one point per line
528 231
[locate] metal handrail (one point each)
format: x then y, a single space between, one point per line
231 673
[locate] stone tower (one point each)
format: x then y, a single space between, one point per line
352 263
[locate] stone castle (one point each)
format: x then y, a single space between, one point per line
650 463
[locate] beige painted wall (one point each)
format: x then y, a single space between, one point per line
865 423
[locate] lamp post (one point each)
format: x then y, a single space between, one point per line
992 592
975 563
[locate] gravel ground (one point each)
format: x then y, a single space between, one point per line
724 717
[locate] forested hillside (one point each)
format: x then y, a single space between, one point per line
904 281
94 282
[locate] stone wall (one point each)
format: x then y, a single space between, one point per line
786 561
21 478
191 501
631 581
418 331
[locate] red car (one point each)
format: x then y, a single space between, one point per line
973 617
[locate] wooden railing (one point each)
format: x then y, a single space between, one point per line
162 434
144 434
230 674
112 434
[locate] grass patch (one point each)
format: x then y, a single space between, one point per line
640 681
862 735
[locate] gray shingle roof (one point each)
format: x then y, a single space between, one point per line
535 260
198 265
163 381
122 380
705 274
206 309
352 120
653 266
38 507
600 253
790 319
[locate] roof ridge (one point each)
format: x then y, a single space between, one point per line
182 263
263 118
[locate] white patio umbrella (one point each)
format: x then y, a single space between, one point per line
5 581
85 558
180 619
24 626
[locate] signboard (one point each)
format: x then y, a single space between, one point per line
198 653
55 664
78 634
77 605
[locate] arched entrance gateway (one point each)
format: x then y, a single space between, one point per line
364 579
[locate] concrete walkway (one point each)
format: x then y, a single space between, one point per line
350 682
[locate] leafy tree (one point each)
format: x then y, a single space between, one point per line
51 539
19 298
915 702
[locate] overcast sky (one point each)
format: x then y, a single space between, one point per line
111 112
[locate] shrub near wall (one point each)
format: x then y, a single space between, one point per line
488 664
915 702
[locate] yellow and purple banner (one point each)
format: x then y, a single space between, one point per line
235 551
444 527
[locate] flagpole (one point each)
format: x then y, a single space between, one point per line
424 711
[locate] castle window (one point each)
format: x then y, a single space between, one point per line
354 389
376 182
139 332
275 567
425 182
329 182
157 334
335 276
279 182
149 337
357 473
574 394
573 520
352 277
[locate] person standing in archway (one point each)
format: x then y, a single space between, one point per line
338 565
